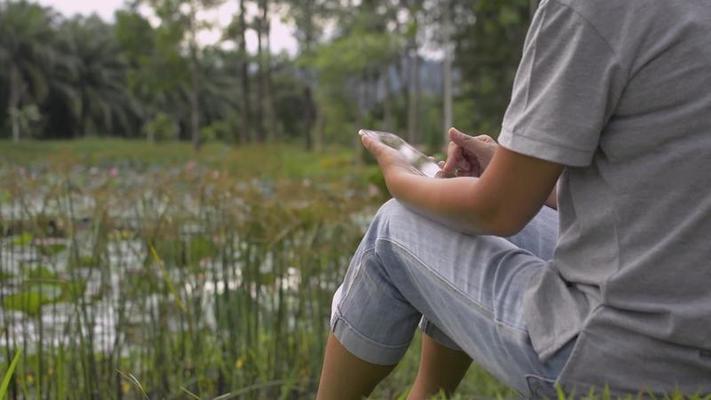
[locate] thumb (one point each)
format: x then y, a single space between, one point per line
461 139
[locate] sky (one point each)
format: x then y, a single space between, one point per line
282 36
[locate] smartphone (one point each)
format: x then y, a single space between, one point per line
421 163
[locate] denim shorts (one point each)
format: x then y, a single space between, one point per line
464 291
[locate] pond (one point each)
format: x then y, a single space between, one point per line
182 278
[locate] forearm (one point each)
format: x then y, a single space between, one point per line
454 202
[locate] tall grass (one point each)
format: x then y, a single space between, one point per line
8 375
186 280
152 276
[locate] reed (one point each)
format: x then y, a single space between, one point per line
184 280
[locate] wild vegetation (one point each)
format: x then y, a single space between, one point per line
164 277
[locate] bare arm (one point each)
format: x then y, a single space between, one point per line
501 202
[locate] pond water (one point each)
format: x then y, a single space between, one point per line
83 257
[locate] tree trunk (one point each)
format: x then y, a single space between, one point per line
194 107
309 117
259 123
14 102
271 120
447 75
194 87
246 134
413 107
84 115
313 123
361 100
388 123
318 131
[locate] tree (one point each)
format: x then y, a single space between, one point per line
182 16
309 18
414 9
237 31
447 69
89 84
26 51
158 75
489 41
346 69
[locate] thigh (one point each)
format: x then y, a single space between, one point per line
471 287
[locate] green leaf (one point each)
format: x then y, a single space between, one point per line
30 301
23 240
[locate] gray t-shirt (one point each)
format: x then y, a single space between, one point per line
619 91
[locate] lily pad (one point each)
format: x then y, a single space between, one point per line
41 273
24 239
31 300
51 249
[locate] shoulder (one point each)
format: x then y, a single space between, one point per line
621 23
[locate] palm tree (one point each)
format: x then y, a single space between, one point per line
91 80
26 50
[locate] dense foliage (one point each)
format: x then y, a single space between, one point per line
367 63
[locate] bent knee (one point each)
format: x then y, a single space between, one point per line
394 222
392 210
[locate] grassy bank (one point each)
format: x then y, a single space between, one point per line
265 160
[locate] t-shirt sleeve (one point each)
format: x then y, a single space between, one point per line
566 88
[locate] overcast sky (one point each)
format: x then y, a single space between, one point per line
282 38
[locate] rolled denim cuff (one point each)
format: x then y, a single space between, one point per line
363 347
435 333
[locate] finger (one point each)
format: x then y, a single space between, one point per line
379 150
454 155
485 139
367 142
373 146
460 138
464 167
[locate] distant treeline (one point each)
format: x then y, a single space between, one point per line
359 63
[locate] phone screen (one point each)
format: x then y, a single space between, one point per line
419 161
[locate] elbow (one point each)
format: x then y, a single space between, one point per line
501 223
505 228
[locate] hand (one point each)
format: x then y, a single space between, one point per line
468 155
391 162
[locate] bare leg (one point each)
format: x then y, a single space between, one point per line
345 376
441 368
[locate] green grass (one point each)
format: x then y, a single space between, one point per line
8 375
270 160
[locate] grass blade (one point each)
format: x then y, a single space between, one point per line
8 375
166 279
189 393
134 381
